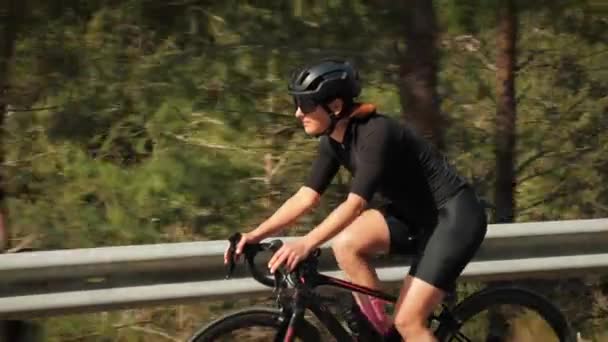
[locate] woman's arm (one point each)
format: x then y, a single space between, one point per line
339 218
296 206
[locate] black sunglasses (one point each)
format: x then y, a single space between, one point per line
307 105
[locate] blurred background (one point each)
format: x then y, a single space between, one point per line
139 121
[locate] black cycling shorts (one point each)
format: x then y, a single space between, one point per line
444 251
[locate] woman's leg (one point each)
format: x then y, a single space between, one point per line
365 236
449 248
417 300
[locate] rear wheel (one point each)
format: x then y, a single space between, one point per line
506 314
263 324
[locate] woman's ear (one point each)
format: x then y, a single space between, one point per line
336 105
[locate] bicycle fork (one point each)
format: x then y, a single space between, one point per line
287 333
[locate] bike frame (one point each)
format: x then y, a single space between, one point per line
304 280
304 298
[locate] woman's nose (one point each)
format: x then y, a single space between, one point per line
298 114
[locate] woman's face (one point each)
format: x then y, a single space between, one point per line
314 118
315 122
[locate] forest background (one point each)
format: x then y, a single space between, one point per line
139 121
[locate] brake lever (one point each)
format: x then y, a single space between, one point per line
231 266
275 245
233 240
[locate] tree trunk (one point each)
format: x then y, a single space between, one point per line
7 41
505 112
504 195
10 12
418 71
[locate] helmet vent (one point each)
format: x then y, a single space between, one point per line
315 83
303 76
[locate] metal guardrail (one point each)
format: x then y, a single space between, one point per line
83 280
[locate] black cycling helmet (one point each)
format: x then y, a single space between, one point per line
321 83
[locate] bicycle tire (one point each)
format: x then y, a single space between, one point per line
487 298
252 317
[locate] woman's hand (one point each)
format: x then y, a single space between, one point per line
290 254
246 238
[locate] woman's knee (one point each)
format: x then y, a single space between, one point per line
411 325
366 235
418 300
345 245
414 327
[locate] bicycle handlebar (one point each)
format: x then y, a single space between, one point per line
250 251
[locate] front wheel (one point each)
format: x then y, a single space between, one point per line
258 324
506 314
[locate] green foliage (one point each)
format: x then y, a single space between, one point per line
141 122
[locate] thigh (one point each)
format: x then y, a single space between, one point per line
368 233
417 300
453 242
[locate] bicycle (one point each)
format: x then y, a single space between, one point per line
295 292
